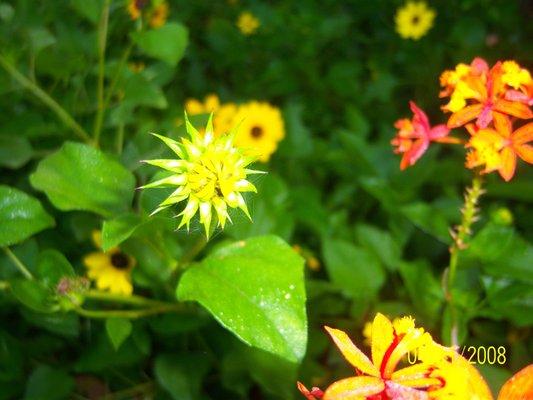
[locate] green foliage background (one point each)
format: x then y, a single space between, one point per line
342 76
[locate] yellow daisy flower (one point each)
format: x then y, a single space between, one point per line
110 270
414 20
224 118
247 23
159 15
261 128
210 173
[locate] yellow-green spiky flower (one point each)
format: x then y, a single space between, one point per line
210 173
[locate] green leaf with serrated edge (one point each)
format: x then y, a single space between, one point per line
118 330
255 288
21 216
80 177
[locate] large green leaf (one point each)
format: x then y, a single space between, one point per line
80 177
255 288
48 383
167 43
32 294
353 269
21 216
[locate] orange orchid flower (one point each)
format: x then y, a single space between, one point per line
414 136
497 148
492 91
440 374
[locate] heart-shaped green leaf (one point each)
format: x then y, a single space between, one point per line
167 43
80 177
255 288
118 330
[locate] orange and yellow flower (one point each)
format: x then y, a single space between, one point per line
519 387
496 149
440 374
477 92
415 135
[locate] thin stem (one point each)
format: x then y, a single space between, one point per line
130 314
132 299
19 264
102 39
120 138
460 235
46 99
116 77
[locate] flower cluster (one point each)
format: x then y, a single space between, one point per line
154 11
210 174
439 374
261 125
487 102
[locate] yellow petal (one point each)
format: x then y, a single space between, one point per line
352 354
382 338
357 388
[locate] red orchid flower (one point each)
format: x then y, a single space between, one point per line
414 136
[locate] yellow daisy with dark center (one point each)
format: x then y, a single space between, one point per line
414 20
261 128
110 270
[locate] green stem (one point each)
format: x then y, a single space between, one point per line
120 138
460 235
116 76
46 99
19 264
130 314
193 251
102 39
132 299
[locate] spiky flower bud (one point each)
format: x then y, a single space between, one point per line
209 174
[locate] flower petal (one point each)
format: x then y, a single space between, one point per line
513 108
525 152
357 388
523 134
508 158
519 387
382 339
465 115
352 354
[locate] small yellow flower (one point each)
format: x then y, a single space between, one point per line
209 174
110 270
247 23
211 104
159 15
414 20
224 118
261 128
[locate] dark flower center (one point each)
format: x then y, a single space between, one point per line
415 20
140 4
256 132
120 260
